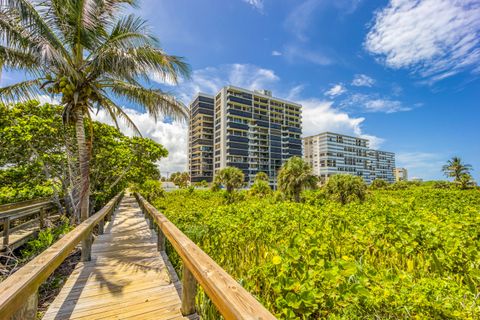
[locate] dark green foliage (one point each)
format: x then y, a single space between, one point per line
295 176
260 186
345 188
378 184
231 178
151 189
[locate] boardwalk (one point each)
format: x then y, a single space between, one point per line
127 277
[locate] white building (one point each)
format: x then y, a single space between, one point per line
401 174
330 153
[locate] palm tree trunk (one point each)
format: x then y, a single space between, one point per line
84 163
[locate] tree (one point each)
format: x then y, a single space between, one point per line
85 54
345 188
181 179
33 156
295 176
379 184
465 182
456 169
260 186
230 177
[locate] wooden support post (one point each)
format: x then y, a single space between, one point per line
150 222
87 248
29 309
160 239
101 226
189 291
41 218
6 230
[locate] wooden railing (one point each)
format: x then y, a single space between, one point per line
30 213
230 298
18 293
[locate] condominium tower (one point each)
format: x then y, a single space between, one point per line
253 131
200 138
331 153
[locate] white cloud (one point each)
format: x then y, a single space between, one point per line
362 80
298 20
433 38
336 90
319 116
374 103
424 165
276 53
48 99
295 53
209 80
173 136
257 4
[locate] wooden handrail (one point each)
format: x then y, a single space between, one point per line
18 288
230 298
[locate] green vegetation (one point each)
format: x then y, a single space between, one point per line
294 177
260 186
180 179
345 188
35 148
85 54
231 178
408 253
460 172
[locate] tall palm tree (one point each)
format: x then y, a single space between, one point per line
295 176
86 55
456 169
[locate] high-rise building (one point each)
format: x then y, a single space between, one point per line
381 165
401 174
253 131
200 138
331 153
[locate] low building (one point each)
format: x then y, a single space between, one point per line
331 153
401 174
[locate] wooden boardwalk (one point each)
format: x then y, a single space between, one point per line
127 278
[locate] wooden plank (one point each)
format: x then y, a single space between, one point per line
230 298
126 278
15 290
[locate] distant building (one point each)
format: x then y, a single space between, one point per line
200 138
331 153
252 131
401 174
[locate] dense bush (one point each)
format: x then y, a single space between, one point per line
345 188
410 253
378 184
150 189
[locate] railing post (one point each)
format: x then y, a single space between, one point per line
6 230
189 291
41 217
29 309
101 226
150 222
160 239
87 248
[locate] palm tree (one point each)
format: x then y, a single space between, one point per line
231 178
86 55
456 169
295 176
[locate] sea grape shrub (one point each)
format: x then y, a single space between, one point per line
378 184
151 190
345 188
409 253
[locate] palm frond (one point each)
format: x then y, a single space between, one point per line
154 101
18 59
22 91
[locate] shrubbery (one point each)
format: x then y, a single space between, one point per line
345 188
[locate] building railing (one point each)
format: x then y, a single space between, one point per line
19 292
230 298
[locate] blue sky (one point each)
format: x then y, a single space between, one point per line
404 73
